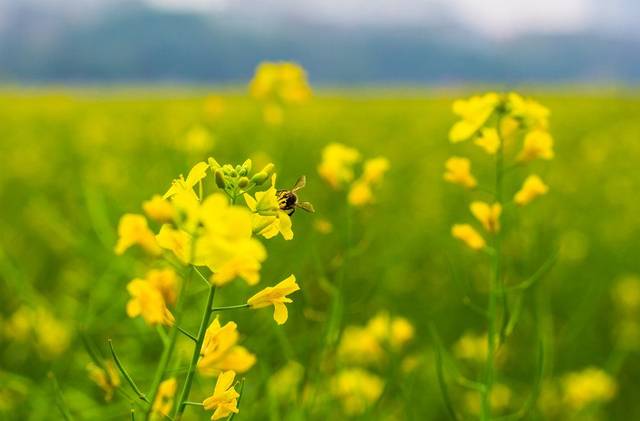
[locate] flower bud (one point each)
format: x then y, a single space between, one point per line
259 178
268 169
247 165
219 176
213 164
243 182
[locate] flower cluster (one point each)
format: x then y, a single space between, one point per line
383 337
496 123
337 169
277 84
209 223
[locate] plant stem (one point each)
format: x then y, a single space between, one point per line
495 287
238 306
184 395
126 374
169 346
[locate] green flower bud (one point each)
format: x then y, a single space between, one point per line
213 164
219 176
259 178
247 166
268 169
243 182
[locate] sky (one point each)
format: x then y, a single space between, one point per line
494 18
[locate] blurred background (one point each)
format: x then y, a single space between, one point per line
104 102
368 42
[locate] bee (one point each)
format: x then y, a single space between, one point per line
288 200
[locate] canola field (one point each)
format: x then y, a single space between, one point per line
117 304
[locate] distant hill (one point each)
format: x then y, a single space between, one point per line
141 44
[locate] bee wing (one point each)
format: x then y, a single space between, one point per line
306 206
302 181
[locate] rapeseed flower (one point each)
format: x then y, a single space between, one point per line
182 185
531 113
469 236
268 219
337 163
537 144
488 140
474 113
226 246
134 230
359 345
587 386
164 399
396 331
159 209
106 378
532 187
147 301
357 389
276 296
488 215
361 192
220 351
165 281
284 81
178 241
458 171
224 400
471 347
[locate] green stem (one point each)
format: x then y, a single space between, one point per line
495 287
187 334
125 374
184 395
238 306
169 347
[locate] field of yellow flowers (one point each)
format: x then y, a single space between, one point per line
447 255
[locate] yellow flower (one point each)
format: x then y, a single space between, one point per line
284 81
197 139
224 399
499 400
227 246
360 193
474 113
359 345
164 399
374 169
626 294
220 351
488 215
177 241
468 235
337 162
530 112
283 384
397 331
108 380
276 296
357 389
165 281
488 140
147 301
531 188
471 347
158 209
132 230
39 327
458 171
180 185
322 225
589 385
537 144
268 219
